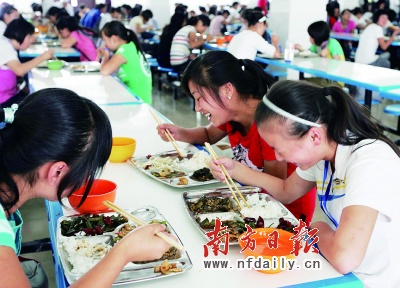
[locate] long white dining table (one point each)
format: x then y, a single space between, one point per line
103 90
135 189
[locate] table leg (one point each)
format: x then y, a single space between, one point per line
368 99
301 76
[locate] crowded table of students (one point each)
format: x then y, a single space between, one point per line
135 189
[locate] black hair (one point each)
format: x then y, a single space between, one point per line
37 7
204 18
176 23
6 9
213 10
347 122
100 6
357 10
214 69
18 29
147 14
319 31
116 9
72 24
119 29
345 10
79 135
53 11
252 16
378 13
202 9
225 12
331 7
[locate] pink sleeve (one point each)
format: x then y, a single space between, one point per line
337 27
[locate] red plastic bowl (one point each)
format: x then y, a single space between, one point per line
101 190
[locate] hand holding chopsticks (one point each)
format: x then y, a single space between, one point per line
227 178
168 135
140 222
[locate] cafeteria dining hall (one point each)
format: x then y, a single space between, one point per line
157 143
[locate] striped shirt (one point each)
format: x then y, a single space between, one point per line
180 48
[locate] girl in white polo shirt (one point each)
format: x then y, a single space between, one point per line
355 167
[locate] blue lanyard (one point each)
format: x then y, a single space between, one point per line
326 194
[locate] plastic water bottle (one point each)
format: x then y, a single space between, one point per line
289 51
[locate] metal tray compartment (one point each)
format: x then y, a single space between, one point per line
190 197
174 181
132 272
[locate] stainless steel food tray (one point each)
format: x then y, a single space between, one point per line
132 272
137 161
192 196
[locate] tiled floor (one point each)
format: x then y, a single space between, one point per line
178 111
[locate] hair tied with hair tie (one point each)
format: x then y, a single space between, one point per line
9 113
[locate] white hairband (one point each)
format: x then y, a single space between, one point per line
9 113
285 114
262 19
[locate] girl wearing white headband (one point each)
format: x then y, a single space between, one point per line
355 167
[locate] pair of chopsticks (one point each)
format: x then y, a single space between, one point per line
168 134
228 178
142 223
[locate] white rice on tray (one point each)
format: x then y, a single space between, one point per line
199 160
260 206
83 254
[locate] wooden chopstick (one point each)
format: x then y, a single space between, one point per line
168 134
227 177
142 223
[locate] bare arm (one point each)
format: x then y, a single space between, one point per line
198 135
20 69
196 39
385 44
139 245
11 271
345 248
68 42
286 191
109 65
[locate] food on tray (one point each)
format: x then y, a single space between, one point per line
166 166
166 173
166 268
183 181
78 67
260 206
212 204
285 225
91 224
124 231
84 253
202 175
